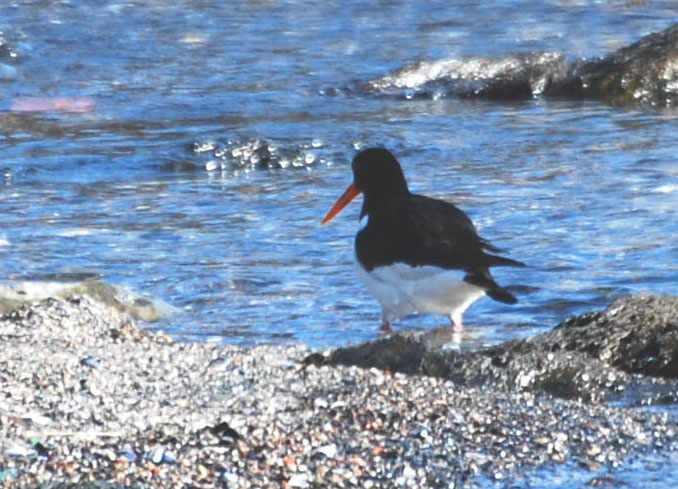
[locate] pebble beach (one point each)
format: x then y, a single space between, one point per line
91 399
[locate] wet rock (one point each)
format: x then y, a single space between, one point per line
644 73
593 357
17 293
635 334
514 77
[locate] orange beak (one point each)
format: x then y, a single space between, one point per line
351 193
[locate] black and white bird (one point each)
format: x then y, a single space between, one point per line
415 253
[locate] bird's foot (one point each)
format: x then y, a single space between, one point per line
386 327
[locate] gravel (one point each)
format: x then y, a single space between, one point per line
90 399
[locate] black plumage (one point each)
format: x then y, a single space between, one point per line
417 230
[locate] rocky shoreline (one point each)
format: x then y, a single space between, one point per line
627 353
90 399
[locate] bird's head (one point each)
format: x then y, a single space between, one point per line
376 174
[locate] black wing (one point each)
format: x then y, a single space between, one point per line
418 230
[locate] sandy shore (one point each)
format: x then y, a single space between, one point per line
87 396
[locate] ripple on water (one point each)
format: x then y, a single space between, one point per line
202 172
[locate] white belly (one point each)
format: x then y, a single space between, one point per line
402 289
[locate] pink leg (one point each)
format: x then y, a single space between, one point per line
456 324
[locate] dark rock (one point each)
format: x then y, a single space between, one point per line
593 357
224 431
635 334
644 73
514 77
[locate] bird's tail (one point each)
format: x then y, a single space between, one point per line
502 295
494 260
482 278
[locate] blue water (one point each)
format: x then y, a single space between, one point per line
584 193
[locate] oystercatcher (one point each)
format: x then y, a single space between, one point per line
415 253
